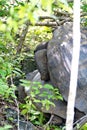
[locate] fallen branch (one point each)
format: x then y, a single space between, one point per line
61 13
46 17
48 122
80 122
51 24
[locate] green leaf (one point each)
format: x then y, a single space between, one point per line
17 69
46 103
1 60
35 112
24 111
37 101
48 86
44 94
16 72
31 17
32 118
84 127
47 5
26 83
3 73
6 127
64 5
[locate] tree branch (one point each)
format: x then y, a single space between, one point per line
45 126
51 24
80 122
22 37
59 13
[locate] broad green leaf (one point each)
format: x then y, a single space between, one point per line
48 86
37 101
17 69
32 118
24 111
25 83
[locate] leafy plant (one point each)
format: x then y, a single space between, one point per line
6 127
84 127
13 17
42 95
54 127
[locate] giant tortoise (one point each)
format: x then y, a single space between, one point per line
57 64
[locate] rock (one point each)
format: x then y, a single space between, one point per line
21 94
59 56
58 63
23 125
54 65
28 64
41 46
41 60
60 106
12 118
57 121
31 75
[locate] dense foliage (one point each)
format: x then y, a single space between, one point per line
23 25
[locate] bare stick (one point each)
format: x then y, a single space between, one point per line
22 38
49 121
16 105
74 67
